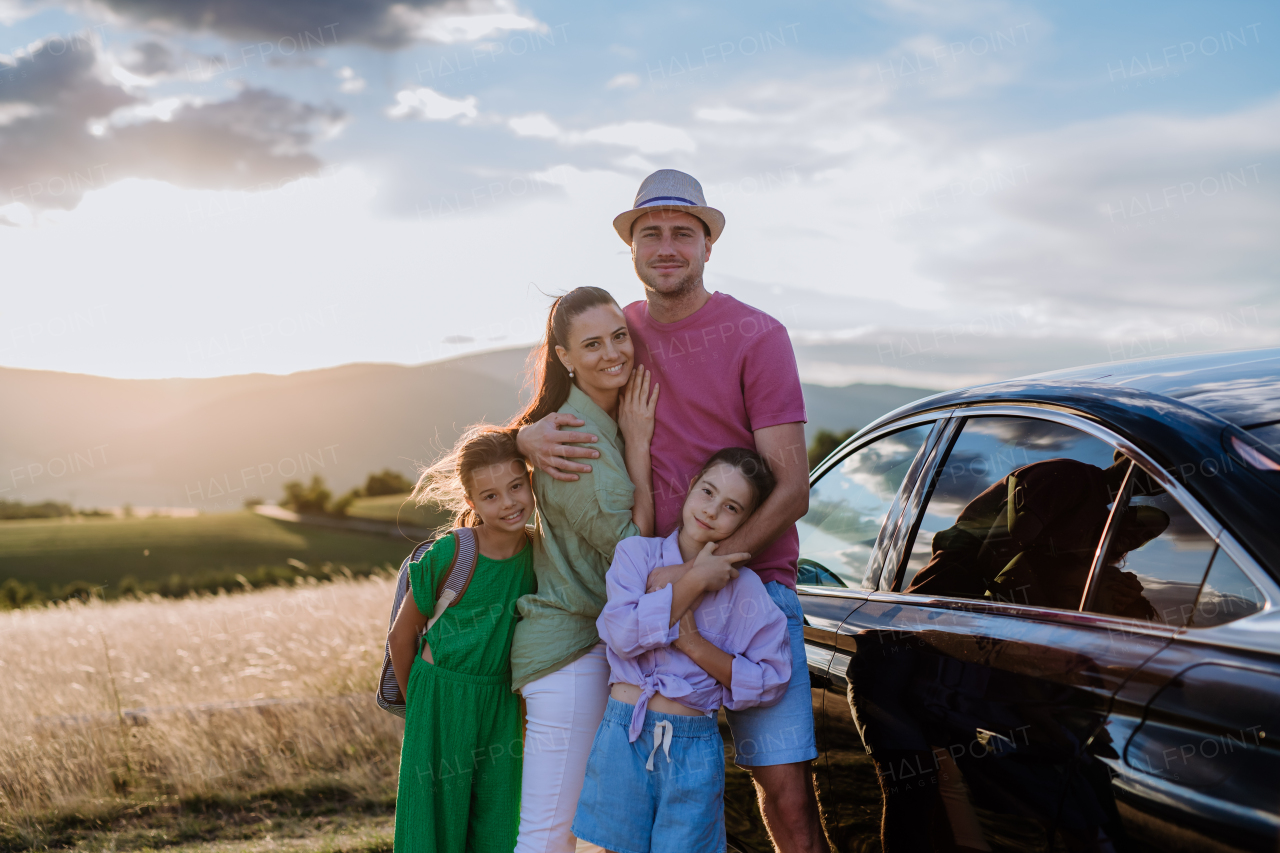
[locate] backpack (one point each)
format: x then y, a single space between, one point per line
452 587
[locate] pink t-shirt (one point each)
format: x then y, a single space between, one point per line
726 370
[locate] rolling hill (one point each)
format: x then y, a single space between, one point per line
211 443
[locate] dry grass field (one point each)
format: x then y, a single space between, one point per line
110 711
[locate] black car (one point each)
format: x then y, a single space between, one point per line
1042 615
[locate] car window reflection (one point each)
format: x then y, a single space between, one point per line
1016 514
849 504
1156 560
1227 594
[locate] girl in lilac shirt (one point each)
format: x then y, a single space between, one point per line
677 655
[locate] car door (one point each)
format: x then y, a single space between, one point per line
1192 746
971 675
856 501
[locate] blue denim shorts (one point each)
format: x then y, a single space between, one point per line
678 805
781 733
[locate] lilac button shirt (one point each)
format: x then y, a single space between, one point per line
740 619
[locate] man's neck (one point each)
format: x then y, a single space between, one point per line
673 309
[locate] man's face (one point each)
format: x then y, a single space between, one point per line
670 249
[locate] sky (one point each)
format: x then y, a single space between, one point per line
929 194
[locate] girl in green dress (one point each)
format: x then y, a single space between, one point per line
460 764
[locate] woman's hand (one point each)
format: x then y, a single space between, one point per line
636 406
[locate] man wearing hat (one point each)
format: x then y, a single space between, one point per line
729 379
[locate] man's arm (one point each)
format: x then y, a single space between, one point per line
550 449
784 449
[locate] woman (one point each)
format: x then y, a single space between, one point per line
586 367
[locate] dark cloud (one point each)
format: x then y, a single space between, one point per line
380 23
47 155
150 59
58 75
256 138
50 156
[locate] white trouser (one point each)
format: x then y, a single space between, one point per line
564 709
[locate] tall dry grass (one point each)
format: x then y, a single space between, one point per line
202 695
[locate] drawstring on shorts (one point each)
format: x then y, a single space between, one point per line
663 732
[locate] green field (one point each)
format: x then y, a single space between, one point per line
212 549
391 507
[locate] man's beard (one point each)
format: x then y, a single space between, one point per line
688 283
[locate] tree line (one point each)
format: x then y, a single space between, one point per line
315 497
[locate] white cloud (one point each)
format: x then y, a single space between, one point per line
459 28
161 110
623 81
637 163
647 137
10 113
13 11
428 104
726 115
535 124
128 78
351 82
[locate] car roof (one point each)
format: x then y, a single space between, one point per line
1180 410
1242 388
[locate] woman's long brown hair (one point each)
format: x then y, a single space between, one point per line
546 374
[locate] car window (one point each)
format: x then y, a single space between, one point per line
1227 594
1156 559
1016 513
849 504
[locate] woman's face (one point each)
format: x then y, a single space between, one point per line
720 500
600 352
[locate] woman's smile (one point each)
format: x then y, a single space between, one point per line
615 370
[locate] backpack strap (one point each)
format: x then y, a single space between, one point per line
455 583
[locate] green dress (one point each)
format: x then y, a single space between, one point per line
461 761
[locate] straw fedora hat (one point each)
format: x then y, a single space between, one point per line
667 189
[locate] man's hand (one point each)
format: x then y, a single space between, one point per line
550 449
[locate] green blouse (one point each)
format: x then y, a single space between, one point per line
472 636
581 522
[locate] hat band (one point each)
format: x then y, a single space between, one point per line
667 198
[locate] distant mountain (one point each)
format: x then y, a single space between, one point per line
849 406
210 443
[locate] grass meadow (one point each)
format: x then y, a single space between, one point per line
216 719
393 508
200 552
